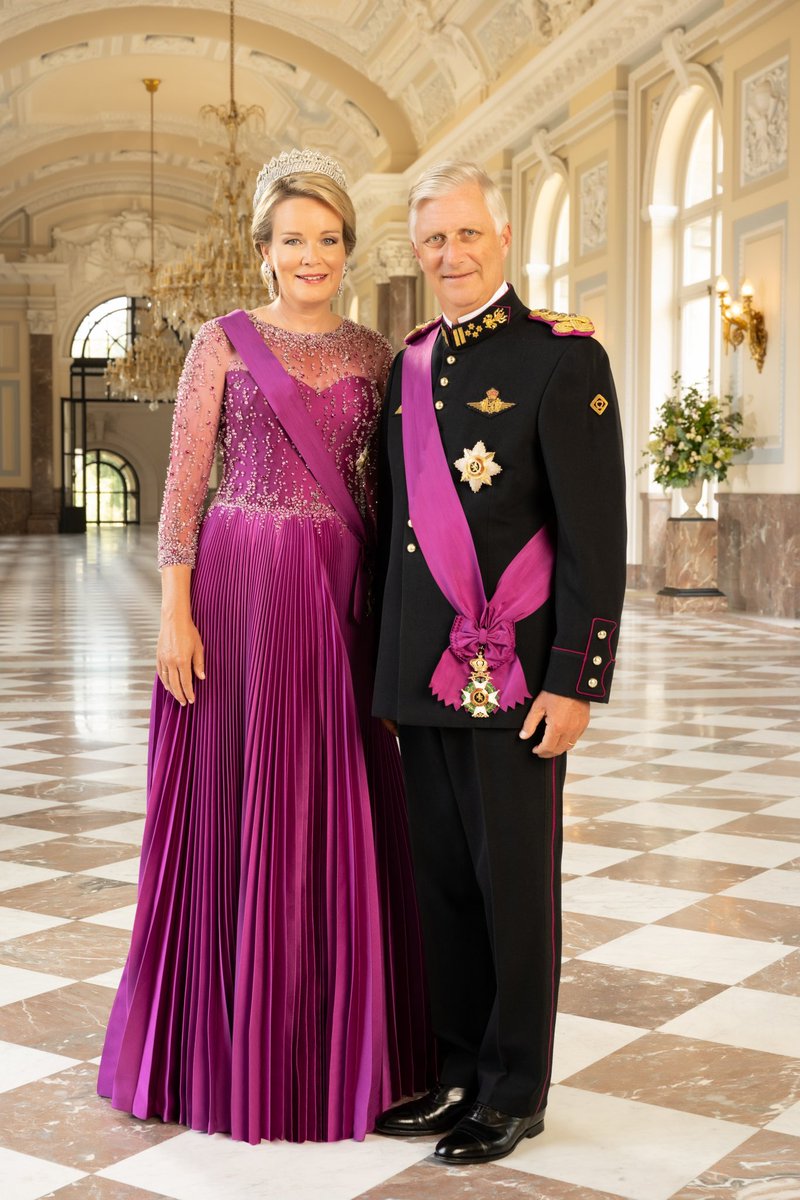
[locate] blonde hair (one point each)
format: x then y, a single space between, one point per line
312 185
445 177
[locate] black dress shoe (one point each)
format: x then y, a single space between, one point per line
435 1112
485 1134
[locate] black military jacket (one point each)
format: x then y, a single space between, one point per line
551 417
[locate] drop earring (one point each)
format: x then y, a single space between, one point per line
340 288
268 277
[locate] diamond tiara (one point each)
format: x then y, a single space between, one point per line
295 162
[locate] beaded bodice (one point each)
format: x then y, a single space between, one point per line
340 378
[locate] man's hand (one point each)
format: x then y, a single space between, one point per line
564 718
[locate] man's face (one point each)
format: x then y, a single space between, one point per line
459 250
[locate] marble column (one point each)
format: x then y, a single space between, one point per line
401 267
43 516
691 568
382 316
651 574
759 551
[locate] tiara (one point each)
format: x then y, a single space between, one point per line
294 162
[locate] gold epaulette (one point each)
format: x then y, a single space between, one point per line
418 330
563 324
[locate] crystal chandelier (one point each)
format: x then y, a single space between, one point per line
150 368
217 273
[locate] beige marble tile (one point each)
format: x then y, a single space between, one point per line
69 1020
782 976
69 854
489 1182
75 950
766 825
670 871
620 834
628 996
68 819
765 1167
756 919
72 895
581 931
727 1082
93 1187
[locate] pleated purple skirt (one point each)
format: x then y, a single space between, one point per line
274 986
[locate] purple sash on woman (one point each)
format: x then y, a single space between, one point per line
283 397
444 538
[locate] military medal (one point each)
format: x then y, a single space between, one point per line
491 404
480 697
477 466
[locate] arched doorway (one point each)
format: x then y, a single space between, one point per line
111 489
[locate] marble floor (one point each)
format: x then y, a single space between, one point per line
677 1071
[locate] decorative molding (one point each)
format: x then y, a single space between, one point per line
674 49
42 315
764 122
555 15
551 163
501 35
11 424
593 208
397 257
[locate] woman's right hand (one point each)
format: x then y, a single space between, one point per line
179 655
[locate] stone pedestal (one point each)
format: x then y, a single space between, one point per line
691 568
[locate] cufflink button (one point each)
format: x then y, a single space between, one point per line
451 358
411 547
596 660
602 633
592 683
439 404
444 381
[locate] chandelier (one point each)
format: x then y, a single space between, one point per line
150 368
217 273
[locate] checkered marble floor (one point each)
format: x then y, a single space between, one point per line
677 1072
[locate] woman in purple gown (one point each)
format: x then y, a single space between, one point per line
274 984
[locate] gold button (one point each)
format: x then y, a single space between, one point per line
439 404
451 358
602 633
410 526
592 682
411 547
444 381
596 660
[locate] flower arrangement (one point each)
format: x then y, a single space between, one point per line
696 437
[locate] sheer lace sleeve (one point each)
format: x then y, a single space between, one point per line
195 427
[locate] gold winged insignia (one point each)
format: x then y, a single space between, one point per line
491 404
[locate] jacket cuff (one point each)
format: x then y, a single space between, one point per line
585 674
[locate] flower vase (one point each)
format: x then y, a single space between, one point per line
691 495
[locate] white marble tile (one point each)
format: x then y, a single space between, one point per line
18 922
633 1150
623 900
14 875
194 1166
127 831
117 918
755 785
109 979
16 983
627 724
581 1041
775 887
587 764
28 1178
24 1064
122 755
13 836
672 816
787 1122
783 808
663 741
739 720
11 756
705 761
120 775
581 858
12 737
13 806
686 952
770 737
617 788
768 1021
120 802
15 779
126 871
732 848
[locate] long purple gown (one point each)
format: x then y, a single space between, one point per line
274 986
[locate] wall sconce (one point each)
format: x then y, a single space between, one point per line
741 320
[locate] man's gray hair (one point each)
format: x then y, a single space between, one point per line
445 177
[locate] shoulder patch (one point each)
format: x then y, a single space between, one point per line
563 324
419 330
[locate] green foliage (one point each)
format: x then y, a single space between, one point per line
696 437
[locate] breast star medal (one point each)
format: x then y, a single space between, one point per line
477 466
491 404
480 698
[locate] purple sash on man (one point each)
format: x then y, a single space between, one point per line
482 630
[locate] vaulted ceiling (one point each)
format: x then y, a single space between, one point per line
371 81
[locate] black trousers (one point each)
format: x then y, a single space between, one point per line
486 834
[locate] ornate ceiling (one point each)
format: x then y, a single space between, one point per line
373 81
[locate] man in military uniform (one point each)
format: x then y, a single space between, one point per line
502 578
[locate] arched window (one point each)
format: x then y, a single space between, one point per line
699 233
548 263
105 332
111 489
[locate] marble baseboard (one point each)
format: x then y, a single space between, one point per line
15 507
759 552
